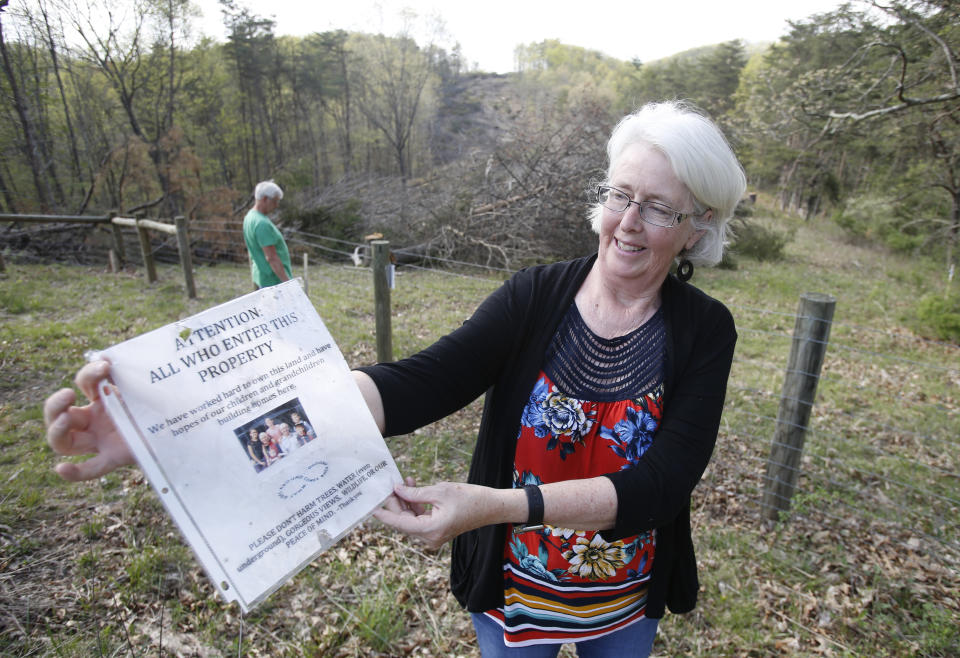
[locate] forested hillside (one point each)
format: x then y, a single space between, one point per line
853 114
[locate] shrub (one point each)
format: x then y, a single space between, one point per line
879 219
941 315
859 215
757 241
729 261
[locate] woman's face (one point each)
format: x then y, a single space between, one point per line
268 421
633 254
254 433
265 438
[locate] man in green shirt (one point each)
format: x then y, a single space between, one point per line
269 256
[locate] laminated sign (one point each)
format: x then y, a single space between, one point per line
247 422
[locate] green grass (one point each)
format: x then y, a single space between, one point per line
862 565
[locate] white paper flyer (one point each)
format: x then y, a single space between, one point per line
247 422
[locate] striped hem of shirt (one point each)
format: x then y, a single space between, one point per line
541 612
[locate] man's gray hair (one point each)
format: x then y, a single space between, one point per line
701 159
267 190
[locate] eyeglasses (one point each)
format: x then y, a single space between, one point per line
651 212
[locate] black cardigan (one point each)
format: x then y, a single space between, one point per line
500 351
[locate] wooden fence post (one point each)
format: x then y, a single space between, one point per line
186 261
3 264
145 250
306 278
118 241
381 292
811 333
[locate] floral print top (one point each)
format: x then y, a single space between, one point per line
566 584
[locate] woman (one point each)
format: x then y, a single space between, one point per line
605 378
288 441
255 449
272 429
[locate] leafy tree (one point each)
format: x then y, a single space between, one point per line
707 76
252 50
855 102
207 105
563 71
340 103
322 99
717 76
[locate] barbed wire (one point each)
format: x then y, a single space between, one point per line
895 336
323 248
815 432
838 345
891 428
856 512
446 273
329 238
451 261
828 458
837 486
892 357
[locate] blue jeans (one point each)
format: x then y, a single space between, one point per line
636 641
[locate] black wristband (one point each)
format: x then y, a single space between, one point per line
534 505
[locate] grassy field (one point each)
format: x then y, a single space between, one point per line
863 566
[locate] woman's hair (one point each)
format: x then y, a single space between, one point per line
267 189
701 159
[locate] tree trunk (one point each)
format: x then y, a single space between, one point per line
54 58
7 197
347 139
32 147
953 230
41 126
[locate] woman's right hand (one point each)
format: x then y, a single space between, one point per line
73 430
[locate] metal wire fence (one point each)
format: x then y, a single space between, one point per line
881 449
882 440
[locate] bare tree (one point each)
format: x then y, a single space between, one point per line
525 200
53 49
394 77
26 113
144 73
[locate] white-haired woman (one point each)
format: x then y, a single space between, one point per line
604 379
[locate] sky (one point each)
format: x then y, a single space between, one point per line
488 30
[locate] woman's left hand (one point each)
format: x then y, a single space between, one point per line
454 508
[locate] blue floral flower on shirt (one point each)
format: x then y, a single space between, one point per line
631 436
560 419
532 413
